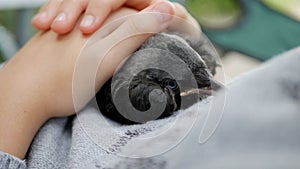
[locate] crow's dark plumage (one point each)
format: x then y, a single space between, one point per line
147 70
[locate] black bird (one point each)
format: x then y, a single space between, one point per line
177 67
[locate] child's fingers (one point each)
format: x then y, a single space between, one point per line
96 12
43 19
68 15
62 15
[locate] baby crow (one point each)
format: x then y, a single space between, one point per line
170 71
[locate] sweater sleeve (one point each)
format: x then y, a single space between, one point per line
8 161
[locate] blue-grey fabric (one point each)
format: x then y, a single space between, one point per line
259 129
8 161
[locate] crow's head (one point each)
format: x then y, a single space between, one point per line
173 64
148 80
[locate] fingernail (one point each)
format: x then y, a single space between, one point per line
61 17
165 9
87 21
42 15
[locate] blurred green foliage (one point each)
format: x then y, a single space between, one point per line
212 7
10 19
210 12
7 19
1 58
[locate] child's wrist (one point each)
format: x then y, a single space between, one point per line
17 130
18 126
20 115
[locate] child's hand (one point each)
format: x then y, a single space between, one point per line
62 15
37 83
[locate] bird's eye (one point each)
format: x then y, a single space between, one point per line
170 83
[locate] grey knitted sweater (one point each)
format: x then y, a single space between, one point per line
259 129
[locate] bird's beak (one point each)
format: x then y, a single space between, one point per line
216 85
207 91
196 91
